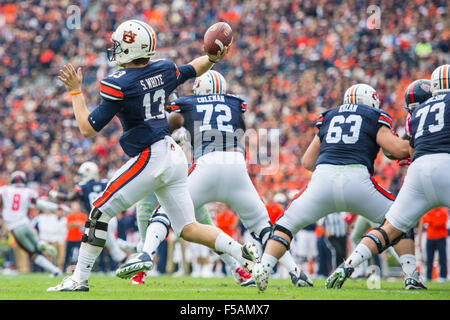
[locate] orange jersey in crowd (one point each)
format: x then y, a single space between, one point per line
74 233
227 221
275 211
436 221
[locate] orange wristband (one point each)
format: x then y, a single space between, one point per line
75 93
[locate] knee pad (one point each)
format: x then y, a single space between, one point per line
92 225
263 235
377 241
280 239
161 218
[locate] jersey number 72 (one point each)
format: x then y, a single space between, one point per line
221 118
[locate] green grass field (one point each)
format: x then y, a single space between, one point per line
108 287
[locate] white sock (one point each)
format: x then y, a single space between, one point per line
408 262
156 232
229 261
86 259
288 262
224 243
269 261
42 262
358 256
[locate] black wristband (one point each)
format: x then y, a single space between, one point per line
211 60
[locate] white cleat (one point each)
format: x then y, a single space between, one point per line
250 254
141 262
261 276
68 284
414 282
338 277
301 280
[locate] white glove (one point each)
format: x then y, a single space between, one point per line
53 194
180 136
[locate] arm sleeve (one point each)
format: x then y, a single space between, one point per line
243 107
184 72
319 122
46 205
385 119
103 114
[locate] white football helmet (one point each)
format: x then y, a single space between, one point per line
133 39
440 80
363 94
18 177
211 82
88 171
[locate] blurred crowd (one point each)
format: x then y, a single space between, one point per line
289 60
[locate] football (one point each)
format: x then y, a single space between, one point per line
388 155
217 37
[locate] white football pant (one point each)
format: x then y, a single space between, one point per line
161 168
426 186
335 188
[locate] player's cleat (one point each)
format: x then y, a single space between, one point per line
249 283
68 284
138 263
250 255
241 276
414 282
301 280
338 277
261 276
138 278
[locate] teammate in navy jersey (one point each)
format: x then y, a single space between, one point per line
87 190
137 95
341 157
348 135
416 93
216 126
427 182
214 121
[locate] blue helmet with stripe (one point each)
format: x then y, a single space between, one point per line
416 93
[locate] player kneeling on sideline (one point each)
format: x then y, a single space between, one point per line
215 123
427 182
137 94
341 157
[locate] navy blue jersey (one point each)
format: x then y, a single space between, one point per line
430 126
89 191
138 97
213 121
348 134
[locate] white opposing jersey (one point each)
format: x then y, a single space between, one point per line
16 203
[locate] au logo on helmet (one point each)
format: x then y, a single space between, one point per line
128 36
